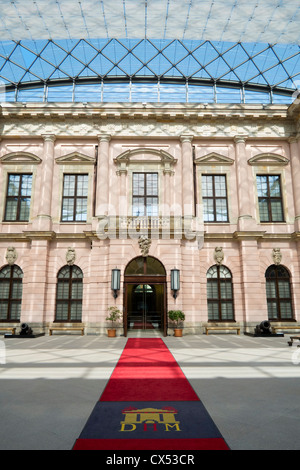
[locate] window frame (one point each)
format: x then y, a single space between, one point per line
10 300
70 280
270 198
18 197
74 198
219 299
145 196
277 299
214 198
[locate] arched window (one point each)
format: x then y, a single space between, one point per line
279 297
10 293
145 265
219 294
69 294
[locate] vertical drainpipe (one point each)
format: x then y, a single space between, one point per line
195 182
95 180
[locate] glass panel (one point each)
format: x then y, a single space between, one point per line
274 185
13 185
138 208
282 272
17 272
61 311
213 310
16 290
67 209
263 210
271 289
221 210
69 185
224 272
286 309
64 273
76 309
262 186
4 289
151 206
152 184
208 210
76 273
76 290
24 209
26 185
276 209
82 185
212 272
81 210
15 310
5 272
136 266
63 290
11 209
153 266
226 290
207 186
272 309
220 186
212 290
227 311
138 184
3 310
284 289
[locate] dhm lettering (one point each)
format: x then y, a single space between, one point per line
149 419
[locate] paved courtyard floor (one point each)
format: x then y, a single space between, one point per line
49 386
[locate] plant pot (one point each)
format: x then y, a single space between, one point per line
111 333
178 332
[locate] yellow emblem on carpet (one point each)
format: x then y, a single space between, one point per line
149 418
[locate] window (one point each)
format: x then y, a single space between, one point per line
278 291
219 294
18 197
145 194
69 294
214 196
74 204
10 293
269 198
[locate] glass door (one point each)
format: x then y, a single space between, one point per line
145 306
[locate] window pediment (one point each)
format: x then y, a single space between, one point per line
75 158
23 158
268 159
145 156
214 158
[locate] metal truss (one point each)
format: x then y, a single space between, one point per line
247 66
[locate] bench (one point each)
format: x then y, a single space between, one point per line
275 328
12 329
236 328
293 338
66 328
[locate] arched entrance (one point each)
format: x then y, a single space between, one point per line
145 295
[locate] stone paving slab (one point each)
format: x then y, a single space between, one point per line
49 385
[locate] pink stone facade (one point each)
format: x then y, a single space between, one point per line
179 143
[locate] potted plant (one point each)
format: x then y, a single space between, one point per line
177 316
113 316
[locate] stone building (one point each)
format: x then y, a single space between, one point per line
191 206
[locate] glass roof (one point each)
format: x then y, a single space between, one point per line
207 51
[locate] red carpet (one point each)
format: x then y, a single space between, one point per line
148 404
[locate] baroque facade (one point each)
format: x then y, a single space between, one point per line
210 190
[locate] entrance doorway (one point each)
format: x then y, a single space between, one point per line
145 295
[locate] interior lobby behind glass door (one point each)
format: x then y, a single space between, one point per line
145 306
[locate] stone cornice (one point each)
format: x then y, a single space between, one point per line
236 236
160 111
